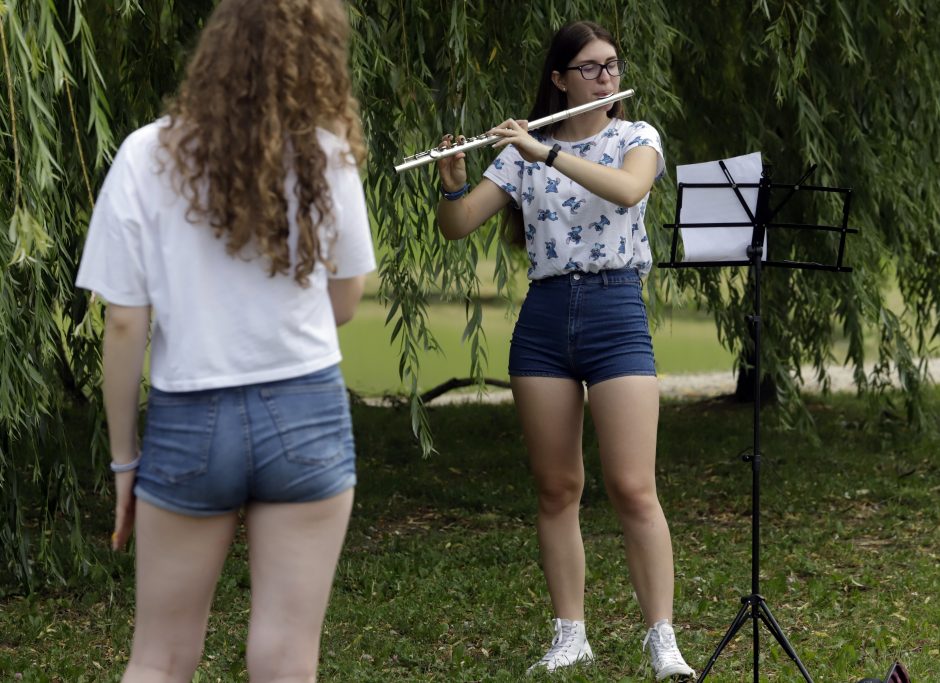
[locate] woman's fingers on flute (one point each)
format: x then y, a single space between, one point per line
510 127
503 129
448 140
510 131
451 167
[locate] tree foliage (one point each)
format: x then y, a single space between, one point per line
76 79
845 85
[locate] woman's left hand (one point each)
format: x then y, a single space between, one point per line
516 133
124 508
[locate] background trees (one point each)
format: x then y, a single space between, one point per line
845 85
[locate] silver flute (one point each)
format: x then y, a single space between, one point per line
432 155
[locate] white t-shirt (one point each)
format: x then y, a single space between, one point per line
218 320
567 227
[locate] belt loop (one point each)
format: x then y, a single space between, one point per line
604 278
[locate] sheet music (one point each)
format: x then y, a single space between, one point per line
718 205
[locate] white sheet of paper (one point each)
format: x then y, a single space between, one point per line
718 206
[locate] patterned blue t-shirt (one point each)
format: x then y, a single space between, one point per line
567 227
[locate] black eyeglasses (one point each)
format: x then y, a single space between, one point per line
592 71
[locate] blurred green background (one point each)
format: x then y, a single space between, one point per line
685 341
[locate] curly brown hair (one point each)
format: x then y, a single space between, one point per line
263 78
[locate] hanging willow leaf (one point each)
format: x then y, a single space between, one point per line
29 237
846 85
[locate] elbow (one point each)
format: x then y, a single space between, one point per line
345 295
341 317
455 222
633 200
122 322
450 232
636 193
634 197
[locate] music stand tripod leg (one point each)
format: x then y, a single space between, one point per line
754 606
739 620
777 633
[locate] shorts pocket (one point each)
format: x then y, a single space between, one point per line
178 436
312 420
626 306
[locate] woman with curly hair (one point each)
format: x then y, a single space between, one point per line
237 224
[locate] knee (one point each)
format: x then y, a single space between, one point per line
633 498
558 494
270 658
169 664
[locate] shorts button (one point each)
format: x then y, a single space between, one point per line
577 276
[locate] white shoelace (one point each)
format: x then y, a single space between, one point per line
561 643
663 648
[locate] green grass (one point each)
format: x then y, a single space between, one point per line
686 342
440 578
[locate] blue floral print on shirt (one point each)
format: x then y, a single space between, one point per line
552 202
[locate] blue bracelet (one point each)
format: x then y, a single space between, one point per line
456 194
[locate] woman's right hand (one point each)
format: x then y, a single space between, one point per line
453 169
125 507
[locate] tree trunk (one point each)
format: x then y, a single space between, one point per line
744 391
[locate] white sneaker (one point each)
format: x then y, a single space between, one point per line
665 655
569 646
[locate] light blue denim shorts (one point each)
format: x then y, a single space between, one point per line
211 452
589 327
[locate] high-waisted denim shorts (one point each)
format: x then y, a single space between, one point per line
585 326
210 452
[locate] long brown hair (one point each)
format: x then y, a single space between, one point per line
566 44
263 78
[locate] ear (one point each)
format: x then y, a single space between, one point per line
559 81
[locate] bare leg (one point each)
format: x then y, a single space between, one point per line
179 559
626 414
294 548
552 414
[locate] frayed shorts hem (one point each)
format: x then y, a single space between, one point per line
635 373
156 501
536 373
339 487
553 375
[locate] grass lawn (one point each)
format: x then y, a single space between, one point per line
686 342
440 577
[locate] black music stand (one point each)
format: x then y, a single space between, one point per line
754 606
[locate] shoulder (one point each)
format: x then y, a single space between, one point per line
640 129
330 140
138 148
135 163
335 146
146 135
640 134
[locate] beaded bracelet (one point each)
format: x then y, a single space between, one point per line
456 194
119 467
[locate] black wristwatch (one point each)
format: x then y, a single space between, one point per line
552 153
